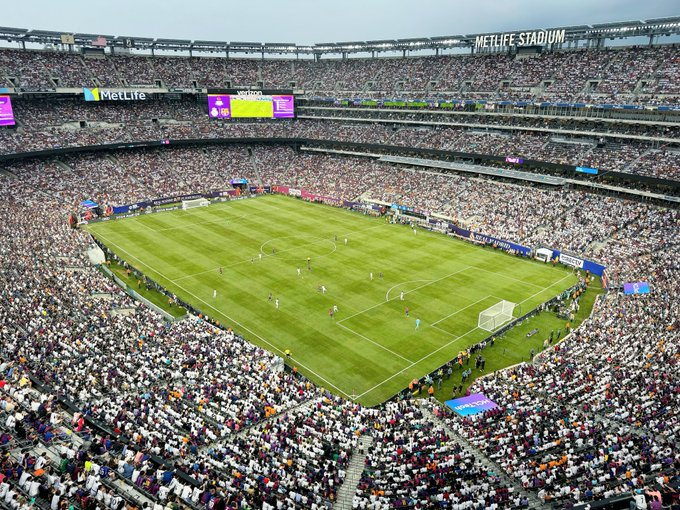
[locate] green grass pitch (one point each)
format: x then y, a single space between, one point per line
371 349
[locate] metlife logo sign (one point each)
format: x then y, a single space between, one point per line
98 94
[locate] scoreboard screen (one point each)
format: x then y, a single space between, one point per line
260 106
6 114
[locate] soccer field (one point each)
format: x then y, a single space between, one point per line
370 350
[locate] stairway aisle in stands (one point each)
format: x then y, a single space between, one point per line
534 502
254 163
353 474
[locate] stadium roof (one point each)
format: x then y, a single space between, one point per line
596 32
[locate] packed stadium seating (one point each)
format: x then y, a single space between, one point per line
172 413
570 75
103 404
47 124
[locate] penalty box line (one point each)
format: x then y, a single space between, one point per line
450 342
434 324
375 343
420 360
430 282
244 328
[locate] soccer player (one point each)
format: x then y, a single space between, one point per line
323 289
330 312
276 303
401 296
406 311
260 255
418 323
221 270
380 275
345 241
214 293
270 297
335 308
299 273
309 264
370 275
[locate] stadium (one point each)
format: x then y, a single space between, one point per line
435 272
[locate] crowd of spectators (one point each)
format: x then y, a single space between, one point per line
414 463
63 124
598 414
631 74
190 415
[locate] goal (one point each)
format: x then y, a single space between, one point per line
495 316
196 202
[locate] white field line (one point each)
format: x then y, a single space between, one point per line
408 292
244 328
375 343
458 311
319 239
446 345
440 329
256 259
359 313
546 288
387 294
420 360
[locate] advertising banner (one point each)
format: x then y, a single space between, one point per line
585 264
636 288
6 114
97 94
500 243
481 238
571 261
121 209
320 198
280 189
472 404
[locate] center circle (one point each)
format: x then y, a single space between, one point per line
298 247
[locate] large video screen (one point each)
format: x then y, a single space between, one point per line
230 106
6 114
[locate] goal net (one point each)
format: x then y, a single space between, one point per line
495 316
196 202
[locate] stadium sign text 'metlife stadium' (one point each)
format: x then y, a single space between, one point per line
520 38
98 94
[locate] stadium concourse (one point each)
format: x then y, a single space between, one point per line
106 405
